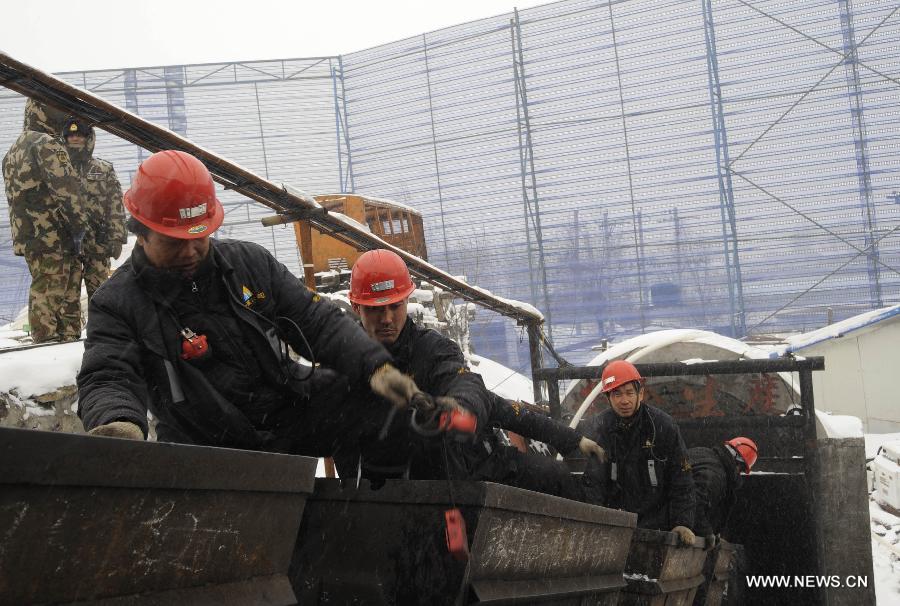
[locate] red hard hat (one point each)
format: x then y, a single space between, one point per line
379 277
173 194
746 449
618 373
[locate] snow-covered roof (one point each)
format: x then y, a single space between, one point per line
657 340
383 201
834 331
350 221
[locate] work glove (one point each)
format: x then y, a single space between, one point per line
588 447
685 535
710 540
119 429
394 386
115 250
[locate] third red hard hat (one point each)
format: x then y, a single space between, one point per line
173 194
379 277
618 373
746 448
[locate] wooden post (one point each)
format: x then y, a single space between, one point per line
303 232
534 346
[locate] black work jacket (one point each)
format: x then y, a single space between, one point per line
438 367
716 480
510 415
132 359
648 471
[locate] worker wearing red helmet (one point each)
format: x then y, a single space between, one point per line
718 475
380 286
194 329
648 472
717 478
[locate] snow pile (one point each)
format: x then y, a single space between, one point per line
840 426
874 441
40 370
885 554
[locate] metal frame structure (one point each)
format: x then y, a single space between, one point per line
778 153
290 204
726 191
791 440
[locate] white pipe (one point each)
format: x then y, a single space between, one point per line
585 405
636 355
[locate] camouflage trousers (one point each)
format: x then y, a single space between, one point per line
96 272
54 301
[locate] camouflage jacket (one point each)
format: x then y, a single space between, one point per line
102 201
43 188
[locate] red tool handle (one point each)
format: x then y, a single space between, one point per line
455 531
458 420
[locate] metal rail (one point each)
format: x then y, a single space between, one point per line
672 369
804 366
292 203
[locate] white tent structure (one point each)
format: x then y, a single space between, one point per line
862 366
699 396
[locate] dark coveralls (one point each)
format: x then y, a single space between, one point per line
245 393
716 481
717 478
647 472
439 368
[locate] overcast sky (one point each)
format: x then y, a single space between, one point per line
55 36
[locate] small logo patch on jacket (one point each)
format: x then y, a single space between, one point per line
248 297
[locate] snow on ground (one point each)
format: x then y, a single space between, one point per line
40 370
885 554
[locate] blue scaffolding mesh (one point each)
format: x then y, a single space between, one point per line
625 166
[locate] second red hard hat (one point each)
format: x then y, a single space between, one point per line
379 277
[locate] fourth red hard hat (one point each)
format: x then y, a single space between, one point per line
379 277
173 194
746 449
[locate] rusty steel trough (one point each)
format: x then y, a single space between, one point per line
387 546
107 521
660 572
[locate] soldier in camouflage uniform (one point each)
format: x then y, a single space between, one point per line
48 222
103 201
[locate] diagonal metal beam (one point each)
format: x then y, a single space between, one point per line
49 89
821 280
814 222
812 89
812 38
